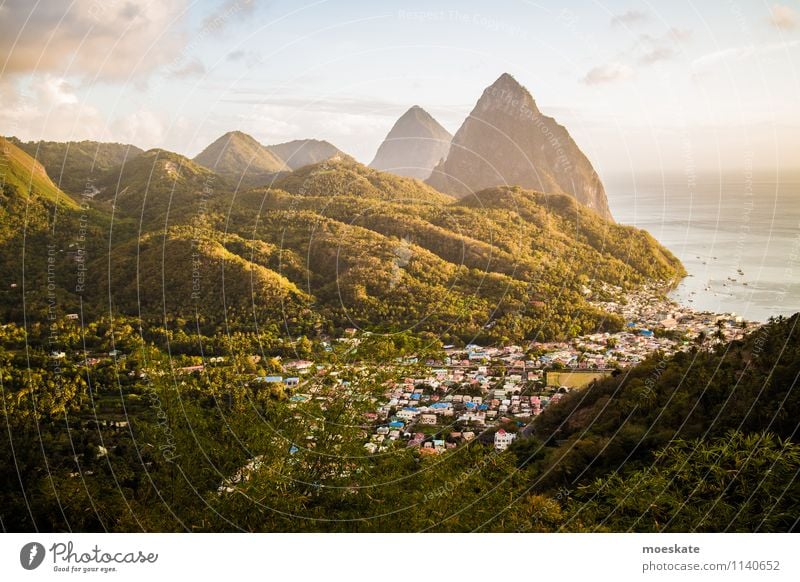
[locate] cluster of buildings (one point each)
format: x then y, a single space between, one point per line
456 402
493 394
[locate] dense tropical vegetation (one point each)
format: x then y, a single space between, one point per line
134 442
110 301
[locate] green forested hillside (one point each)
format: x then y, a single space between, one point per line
241 160
181 291
185 435
74 165
505 264
364 247
746 386
28 177
159 188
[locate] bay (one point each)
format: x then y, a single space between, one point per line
737 234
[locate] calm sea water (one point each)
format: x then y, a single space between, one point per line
739 238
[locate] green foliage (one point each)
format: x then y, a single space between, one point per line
192 270
22 173
74 165
735 483
216 451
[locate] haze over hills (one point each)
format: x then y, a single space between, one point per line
413 147
506 140
302 152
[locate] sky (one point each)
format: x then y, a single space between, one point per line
642 86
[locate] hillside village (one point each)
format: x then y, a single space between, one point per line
493 394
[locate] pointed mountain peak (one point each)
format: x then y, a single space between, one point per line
236 136
236 153
418 123
507 93
506 140
415 111
507 79
415 144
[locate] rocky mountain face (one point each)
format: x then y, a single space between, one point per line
414 145
506 140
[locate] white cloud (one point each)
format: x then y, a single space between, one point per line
49 109
653 49
715 58
226 12
111 39
53 92
142 128
192 68
630 18
608 73
783 17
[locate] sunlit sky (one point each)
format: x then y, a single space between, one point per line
640 85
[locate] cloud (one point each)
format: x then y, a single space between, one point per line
226 12
192 68
654 49
112 39
630 18
53 91
656 54
142 127
715 58
326 103
783 17
608 73
48 107
679 34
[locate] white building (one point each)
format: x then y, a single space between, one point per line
502 439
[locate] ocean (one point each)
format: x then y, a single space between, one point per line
737 235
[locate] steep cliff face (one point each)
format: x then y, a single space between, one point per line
506 140
414 145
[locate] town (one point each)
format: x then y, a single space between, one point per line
493 394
